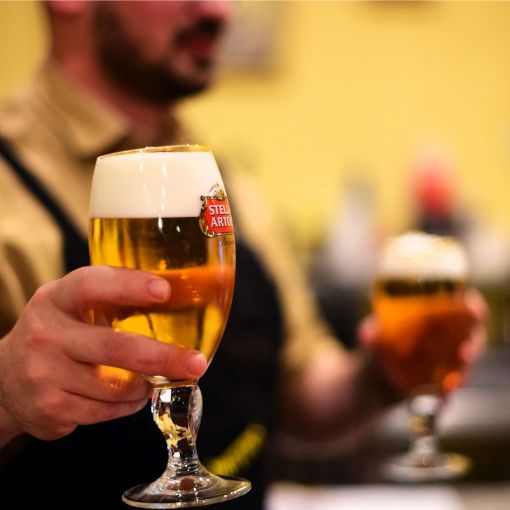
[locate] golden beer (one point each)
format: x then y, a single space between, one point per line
172 218
417 297
200 271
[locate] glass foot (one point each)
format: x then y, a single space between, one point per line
412 468
186 491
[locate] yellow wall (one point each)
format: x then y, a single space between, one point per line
356 85
22 42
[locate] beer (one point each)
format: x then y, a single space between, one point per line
417 297
177 230
175 249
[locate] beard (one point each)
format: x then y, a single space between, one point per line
156 82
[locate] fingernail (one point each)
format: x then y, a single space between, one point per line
196 364
159 289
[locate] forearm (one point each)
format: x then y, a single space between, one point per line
334 393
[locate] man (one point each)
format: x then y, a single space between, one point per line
73 435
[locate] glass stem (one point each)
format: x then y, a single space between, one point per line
424 410
177 411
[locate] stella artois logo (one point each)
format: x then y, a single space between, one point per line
215 218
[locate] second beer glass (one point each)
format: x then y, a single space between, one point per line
417 297
165 210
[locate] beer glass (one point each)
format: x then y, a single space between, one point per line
417 296
165 210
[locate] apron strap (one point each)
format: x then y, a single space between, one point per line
75 244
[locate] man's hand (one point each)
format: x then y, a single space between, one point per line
470 349
55 367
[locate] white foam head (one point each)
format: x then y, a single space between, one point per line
417 254
153 182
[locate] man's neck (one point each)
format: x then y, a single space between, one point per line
148 120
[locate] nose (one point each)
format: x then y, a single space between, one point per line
220 10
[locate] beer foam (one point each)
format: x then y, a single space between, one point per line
417 254
155 182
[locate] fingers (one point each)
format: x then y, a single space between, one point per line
56 366
472 349
472 322
59 414
368 330
125 287
475 343
94 411
104 383
89 286
476 305
51 369
369 327
133 352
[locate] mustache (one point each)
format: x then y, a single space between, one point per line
208 27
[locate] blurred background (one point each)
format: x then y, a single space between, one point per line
359 120
313 92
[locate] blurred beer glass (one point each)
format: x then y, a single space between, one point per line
165 210
417 296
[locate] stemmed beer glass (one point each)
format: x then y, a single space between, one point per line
417 296
165 210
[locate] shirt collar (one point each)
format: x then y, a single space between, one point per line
88 124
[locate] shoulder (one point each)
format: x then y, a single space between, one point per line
15 116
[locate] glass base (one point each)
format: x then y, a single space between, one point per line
186 491
413 468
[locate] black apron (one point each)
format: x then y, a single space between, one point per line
91 467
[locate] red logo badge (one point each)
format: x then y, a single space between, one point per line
215 217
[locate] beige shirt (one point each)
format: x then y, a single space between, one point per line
58 129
